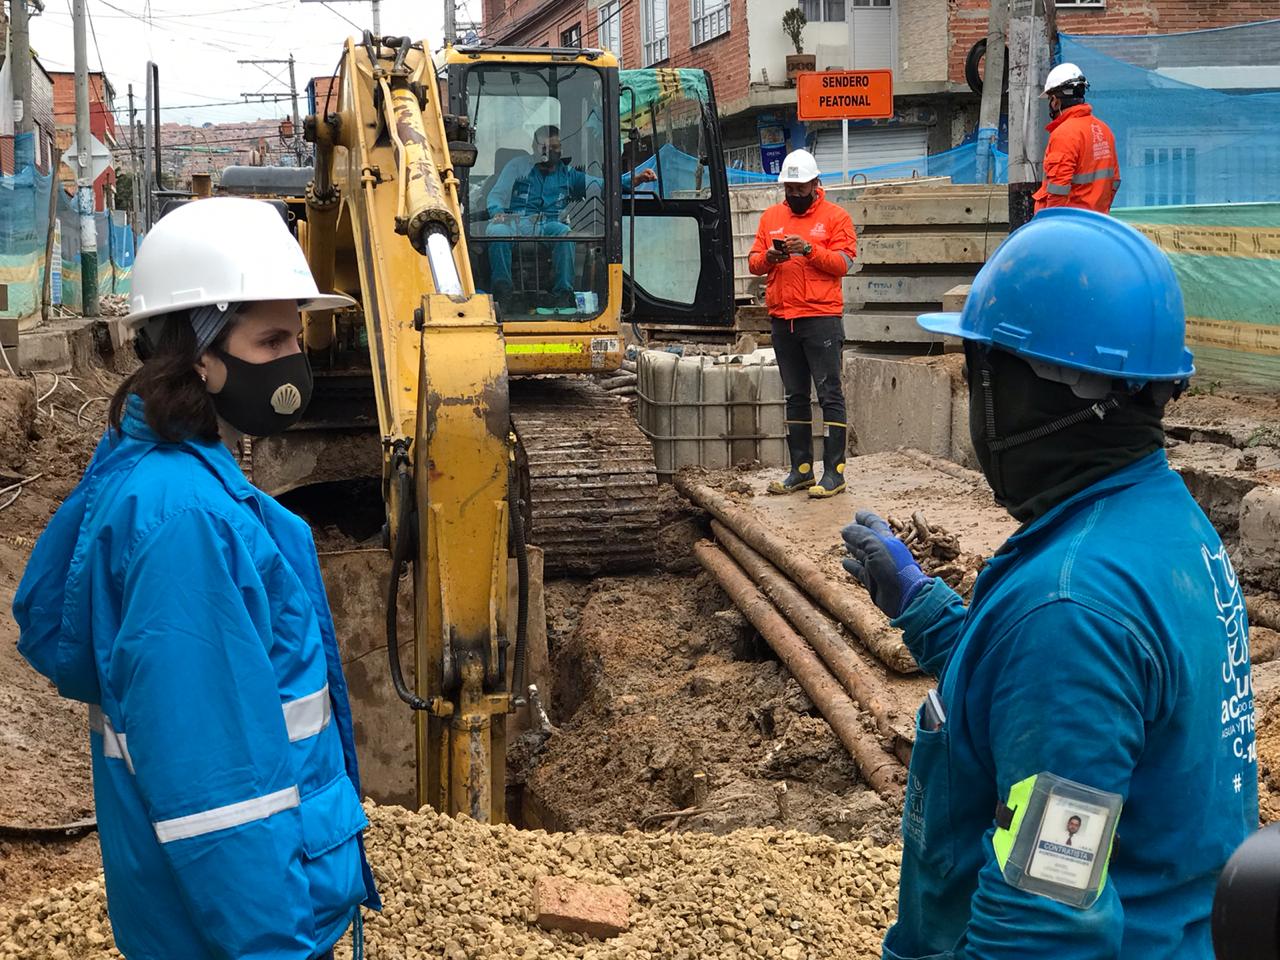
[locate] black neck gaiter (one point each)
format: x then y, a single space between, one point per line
1007 398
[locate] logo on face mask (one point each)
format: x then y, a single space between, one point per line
286 400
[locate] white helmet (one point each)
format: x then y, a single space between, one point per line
1063 75
799 167
219 251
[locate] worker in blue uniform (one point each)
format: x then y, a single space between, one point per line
530 199
1096 687
185 607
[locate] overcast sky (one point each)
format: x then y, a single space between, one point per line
196 44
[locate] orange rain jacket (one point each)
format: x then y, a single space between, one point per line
1081 167
805 286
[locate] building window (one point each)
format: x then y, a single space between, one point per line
653 30
710 19
610 32
1079 4
571 37
830 11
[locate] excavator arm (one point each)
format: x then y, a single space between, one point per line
385 198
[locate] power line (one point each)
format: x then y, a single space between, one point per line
342 15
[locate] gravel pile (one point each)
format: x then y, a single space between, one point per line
459 890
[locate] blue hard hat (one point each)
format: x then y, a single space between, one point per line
1082 290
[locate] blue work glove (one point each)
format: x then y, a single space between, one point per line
882 563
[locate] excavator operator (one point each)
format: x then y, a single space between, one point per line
529 200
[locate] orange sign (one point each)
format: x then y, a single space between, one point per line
845 95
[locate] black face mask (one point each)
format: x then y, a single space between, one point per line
799 205
261 399
1039 444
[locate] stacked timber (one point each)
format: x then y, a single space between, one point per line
916 242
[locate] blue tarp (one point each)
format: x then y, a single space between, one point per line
960 164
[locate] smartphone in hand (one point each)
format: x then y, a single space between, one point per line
780 246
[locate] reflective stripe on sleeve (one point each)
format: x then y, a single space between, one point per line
1105 173
307 716
223 818
114 745
1058 189
848 262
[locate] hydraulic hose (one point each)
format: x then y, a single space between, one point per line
399 557
522 586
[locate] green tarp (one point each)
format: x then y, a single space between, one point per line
1227 258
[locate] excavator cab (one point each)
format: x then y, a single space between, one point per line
589 190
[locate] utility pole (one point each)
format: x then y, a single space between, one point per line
297 123
84 172
992 89
1032 30
133 161
24 147
450 22
296 140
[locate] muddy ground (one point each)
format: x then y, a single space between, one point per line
44 758
658 678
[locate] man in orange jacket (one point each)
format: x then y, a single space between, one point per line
1081 167
804 247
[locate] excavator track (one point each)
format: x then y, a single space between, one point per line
589 476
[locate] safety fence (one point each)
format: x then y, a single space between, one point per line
27 231
960 164
1227 258
1194 113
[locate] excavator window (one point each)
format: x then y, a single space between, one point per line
537 207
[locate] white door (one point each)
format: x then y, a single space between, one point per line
869 147
873 34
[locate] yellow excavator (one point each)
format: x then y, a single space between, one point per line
420 207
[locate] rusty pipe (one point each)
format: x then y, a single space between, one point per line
851 606
856 676
880 769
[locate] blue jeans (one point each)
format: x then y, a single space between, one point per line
500 253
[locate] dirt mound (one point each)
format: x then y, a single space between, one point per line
44 745
461 889
662 686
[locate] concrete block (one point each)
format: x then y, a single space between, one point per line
975 205
575 907
957 246
56 347
1258 556
888 326
961 442
898 403
953 299
899 287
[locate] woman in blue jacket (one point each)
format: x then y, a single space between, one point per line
1087 763
186 608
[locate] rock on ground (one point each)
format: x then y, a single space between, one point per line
461 890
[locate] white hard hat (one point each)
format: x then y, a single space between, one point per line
219 251
1061 75
799 167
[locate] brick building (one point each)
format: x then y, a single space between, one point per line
41 107
102 124
925 43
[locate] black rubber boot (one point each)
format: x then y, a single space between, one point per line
833 446
800 445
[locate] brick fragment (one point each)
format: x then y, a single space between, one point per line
575 907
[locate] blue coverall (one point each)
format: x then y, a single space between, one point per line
1106 642
186 608
535 199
